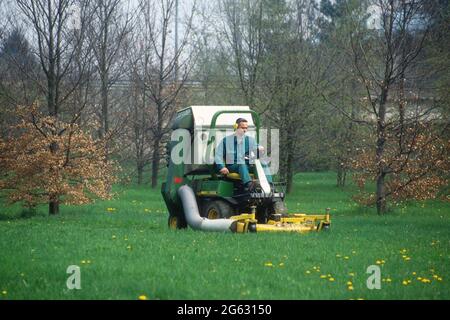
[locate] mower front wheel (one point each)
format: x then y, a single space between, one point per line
176 222
217 209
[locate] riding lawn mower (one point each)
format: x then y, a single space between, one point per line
198 196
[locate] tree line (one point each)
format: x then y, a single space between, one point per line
358 87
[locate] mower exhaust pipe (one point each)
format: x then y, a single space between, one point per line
193 218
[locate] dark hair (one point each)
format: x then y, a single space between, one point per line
239 120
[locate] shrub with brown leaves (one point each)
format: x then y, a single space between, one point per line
417 166
46 160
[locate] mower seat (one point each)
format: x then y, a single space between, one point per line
236 176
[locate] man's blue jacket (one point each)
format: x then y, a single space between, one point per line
229 151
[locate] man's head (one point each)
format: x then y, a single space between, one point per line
241 126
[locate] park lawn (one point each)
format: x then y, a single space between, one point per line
125 250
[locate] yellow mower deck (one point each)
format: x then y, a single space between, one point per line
297 222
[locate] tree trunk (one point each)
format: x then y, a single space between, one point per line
381 195
155 163
290 163
381 128
105 120
290 175
53 205
339 176
140 171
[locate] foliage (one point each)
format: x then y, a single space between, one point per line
417 170
43 159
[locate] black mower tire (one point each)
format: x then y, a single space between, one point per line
176 222
217 209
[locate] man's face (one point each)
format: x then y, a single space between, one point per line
242 129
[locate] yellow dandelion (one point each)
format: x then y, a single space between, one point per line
349 283
83 261
142 297
378 262
331 279
308 272
439 279
338 256
351 274
360 299
4 292
425 280
268 264
405 282
354 252
88 261
414 273
350 288
114 237
346 257
323 276
388 280
281 264
129 247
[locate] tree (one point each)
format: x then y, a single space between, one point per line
164 71
17 67
386 63
243 31
293 72
138 135
418 172
108 31
58 45
276 61
344 132
74 172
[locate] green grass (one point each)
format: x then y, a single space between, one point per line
146 258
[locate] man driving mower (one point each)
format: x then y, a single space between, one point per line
235 152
